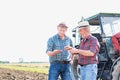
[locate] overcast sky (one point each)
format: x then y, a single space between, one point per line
26 25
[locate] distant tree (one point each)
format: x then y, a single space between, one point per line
21 60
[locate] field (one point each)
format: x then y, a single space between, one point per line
22 71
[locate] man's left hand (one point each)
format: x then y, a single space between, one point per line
74 50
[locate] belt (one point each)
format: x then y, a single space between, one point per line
82 64
63 62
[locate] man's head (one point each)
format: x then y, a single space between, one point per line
84 29
62 28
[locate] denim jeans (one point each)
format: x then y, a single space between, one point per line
88 72
59 69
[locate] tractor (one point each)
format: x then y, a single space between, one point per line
103 27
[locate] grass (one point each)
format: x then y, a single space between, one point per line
39 67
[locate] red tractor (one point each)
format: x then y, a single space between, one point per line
103 26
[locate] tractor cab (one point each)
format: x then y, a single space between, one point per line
103 27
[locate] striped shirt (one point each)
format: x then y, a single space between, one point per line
56 43
90 43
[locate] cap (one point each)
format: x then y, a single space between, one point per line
62 25
83 24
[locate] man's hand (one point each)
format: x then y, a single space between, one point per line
71 49
50 53
74 50
68 47
57 51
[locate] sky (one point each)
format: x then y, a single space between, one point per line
26 25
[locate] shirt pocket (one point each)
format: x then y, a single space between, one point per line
87 47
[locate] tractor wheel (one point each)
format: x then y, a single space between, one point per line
116 72
76 68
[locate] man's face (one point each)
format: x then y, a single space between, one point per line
61 30
82 32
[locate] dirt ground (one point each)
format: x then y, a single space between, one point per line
7 74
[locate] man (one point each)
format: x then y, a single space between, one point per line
87 50
59 57
116 43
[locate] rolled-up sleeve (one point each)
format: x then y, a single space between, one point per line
94 46
49 45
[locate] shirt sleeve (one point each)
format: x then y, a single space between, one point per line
94 46
49 45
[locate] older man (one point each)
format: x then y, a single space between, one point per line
58 56
88 49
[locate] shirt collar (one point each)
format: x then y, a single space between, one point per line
59 36
87 38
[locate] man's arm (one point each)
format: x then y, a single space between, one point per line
94 48
82 52
50 48
52 53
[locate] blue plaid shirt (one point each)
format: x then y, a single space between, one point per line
56 43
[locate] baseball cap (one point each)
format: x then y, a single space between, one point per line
62 25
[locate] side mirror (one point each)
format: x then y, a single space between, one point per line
74 35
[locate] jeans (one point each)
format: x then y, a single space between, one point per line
59 69
88 72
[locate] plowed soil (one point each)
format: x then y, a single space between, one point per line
8 74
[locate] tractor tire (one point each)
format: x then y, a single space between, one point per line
116 72
76 68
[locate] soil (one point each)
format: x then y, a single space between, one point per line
8 74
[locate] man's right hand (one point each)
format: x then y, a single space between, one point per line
51 53
57 51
